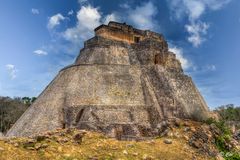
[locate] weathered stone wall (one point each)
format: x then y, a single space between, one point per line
96 118
108 53
188 101
115 35
81 85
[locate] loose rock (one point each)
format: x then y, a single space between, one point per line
186 137
177 122
186 129
125 152
167 141
1 149
1 134
219 157
146 157
16 144
78 138
29 143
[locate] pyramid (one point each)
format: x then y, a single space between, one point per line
124 82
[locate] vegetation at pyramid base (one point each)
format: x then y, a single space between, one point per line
227 113
222 140
11 109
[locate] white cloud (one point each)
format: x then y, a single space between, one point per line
55 20
194 9
88 18
179 54
177 12
205 68
35 11
125 5
216 4
70 12
143 16
211 67
111 17
196 31
40 52
82 1
12 71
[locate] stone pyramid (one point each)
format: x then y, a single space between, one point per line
124 81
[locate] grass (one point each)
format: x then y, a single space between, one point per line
95 145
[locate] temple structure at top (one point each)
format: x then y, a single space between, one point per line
125 33
121 44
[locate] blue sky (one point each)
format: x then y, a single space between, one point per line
39 37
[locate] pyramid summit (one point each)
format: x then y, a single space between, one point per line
124 81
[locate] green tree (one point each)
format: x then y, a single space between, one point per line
229 112
33 99
26 100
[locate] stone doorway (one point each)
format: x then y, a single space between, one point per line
157 59
136 39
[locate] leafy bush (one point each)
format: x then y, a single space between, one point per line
220 124
223 139
210 121
231 156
